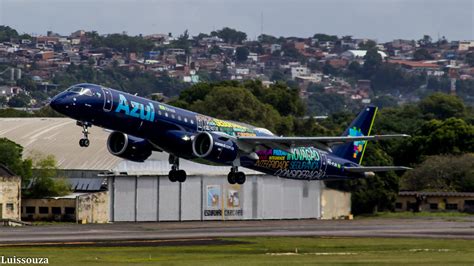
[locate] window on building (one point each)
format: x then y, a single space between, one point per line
56 210
451 206
411 206
398 205
70 210
433 206
30 210
43 210
10 207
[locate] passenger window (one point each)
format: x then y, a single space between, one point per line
166 114
179 117
172 116
192 121
186 119
159 112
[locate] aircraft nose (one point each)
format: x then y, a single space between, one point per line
59 103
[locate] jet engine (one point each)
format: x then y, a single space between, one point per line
128 147
214 147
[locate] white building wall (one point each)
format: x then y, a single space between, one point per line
153 198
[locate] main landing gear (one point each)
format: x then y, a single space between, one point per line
175 174
236 177
84 142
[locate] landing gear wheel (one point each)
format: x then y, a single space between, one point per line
84 142
231 178
181 175
172 176
240 178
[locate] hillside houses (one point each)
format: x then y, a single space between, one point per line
305 61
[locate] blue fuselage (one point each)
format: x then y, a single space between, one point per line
170 129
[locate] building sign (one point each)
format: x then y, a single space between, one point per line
223 202
213 196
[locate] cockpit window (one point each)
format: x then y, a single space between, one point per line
86 91
81 90
75 89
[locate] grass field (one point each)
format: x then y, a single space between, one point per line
265 251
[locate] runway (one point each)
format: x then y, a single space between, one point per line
196 232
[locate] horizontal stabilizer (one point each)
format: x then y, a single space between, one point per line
318 142
362 169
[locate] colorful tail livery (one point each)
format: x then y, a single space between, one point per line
140 126
360 126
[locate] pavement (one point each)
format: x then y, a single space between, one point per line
177 233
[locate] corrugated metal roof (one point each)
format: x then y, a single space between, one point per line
86 184
60 137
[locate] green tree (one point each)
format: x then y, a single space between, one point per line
277 75
373 60
11 156
3 101
7 33
422 54
325 37
19 100
231 36
369 44
385 101
267 39
425 41
441 173
183 42
442 106
241 54
44 183
237 103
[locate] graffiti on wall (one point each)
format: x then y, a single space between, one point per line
206 123
300 163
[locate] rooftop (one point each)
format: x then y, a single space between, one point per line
60 137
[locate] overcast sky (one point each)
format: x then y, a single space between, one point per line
382 20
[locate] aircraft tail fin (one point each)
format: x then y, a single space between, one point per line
360 126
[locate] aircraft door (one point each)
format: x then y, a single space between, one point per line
108 101
324 165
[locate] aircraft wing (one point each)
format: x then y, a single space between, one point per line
325 143
362 169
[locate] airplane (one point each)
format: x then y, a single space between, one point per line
140 126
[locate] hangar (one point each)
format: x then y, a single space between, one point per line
143 192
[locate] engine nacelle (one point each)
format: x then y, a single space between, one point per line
214 147
128 147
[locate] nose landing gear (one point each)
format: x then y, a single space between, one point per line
175 174
84 142
236 177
